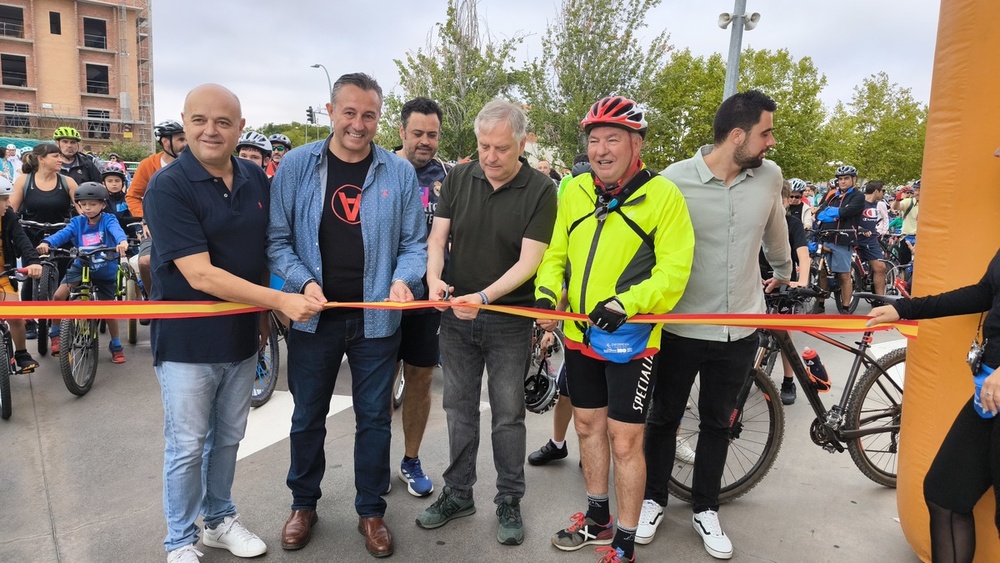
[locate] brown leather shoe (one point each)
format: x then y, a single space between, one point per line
378 539
298 529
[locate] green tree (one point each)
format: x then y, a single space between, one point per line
884 132
298 133
127 150
461 71
593 50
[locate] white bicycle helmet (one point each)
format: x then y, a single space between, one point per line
6 188
280 139
255 140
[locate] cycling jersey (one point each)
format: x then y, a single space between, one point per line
640 253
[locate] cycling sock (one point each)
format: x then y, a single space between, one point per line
786 379
116 343
625 540
559 445
599 509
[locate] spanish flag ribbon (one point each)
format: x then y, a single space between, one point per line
192 309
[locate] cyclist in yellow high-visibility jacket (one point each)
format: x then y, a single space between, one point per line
622 245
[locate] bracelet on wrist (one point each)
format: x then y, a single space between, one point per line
482 295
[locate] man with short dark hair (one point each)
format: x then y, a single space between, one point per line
420 131
840 212
734 197
875 212
497 212
346 226
209 213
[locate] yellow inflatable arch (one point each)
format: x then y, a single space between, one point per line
959 231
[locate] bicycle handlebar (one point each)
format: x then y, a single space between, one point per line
84 254
19 274
888 299
43 226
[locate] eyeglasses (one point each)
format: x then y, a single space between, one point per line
278 148
795 196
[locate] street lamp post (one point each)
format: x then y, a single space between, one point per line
329 88
741 20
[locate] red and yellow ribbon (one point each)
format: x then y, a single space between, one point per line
191 309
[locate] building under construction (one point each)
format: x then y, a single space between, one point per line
85 64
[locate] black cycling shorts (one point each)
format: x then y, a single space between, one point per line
419 339
625 389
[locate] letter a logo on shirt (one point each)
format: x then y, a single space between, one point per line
346 204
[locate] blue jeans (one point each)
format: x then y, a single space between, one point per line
313 362
205 409
502 345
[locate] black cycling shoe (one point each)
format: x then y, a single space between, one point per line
787 392
819 308
25 363
30 329
548 452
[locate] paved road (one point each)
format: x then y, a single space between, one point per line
80 481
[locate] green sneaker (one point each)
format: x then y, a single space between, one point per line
511 530
445 509
584 531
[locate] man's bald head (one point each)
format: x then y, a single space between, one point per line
213 121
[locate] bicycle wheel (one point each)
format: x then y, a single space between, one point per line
268 362
398 388
890 280
877 401
46 288
131 325
857 279
5 370
78 355
754 441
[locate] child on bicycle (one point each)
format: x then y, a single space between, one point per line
15 243
94 227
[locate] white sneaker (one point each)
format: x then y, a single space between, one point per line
717 544
233 535
649 519
684 453
186 554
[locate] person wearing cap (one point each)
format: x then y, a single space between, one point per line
628 235
733 194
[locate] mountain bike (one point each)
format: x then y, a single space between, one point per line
44 287
865 421
80 337
820 268
8 366
268 363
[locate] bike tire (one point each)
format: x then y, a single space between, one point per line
268 364
131 325
877 398
398 387
857 278
79 349
6 408
47 285
751 455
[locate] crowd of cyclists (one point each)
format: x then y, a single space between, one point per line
97 203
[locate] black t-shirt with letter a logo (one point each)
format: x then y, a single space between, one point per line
340 242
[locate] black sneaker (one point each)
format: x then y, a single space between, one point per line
787 392
548 452
819 308
30 329
25 363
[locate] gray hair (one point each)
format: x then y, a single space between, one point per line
358 79
498 112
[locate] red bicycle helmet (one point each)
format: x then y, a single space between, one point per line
615 111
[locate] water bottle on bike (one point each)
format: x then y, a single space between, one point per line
818 375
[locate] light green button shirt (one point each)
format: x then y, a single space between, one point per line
731 223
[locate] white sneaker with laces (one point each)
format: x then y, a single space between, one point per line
717 544
684 453
186 554
231 534
649 519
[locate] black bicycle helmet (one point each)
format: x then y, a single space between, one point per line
112 171
168 128
90 191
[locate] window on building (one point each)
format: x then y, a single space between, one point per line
55 23
11 21
95 33
15 70
13 121
98 126
97 79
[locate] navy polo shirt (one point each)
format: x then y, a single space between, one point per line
189 211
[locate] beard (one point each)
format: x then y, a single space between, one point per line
745 159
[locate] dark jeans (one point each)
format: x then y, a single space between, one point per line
313 363
502 345
723 367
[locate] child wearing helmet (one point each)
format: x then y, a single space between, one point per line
255 147
114 180
93 227
15 243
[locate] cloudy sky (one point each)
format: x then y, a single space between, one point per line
262 49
